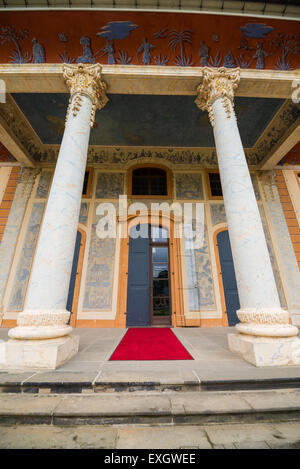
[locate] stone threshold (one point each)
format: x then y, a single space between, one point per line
13 385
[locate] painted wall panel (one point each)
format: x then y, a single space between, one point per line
189 186
100 270
109 185
25 261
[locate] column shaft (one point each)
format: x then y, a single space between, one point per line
260 312
254 274
50 276
45 315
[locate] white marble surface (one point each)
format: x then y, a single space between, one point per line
265 351
46 300
39 354
254 274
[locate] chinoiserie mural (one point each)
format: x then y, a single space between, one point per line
148 38
25 261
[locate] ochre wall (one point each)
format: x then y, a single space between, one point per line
289 214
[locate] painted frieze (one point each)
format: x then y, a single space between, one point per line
148 38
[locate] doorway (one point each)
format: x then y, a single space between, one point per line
149 289
231 302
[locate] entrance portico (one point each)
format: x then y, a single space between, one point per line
45 318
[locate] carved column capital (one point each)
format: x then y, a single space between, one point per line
217 83
85 80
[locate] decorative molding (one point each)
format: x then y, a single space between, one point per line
43 318
267 316
217 83
85 80
278 131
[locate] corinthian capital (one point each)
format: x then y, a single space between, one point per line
85 80
217 83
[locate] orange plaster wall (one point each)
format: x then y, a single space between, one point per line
45 26
292 157
289 214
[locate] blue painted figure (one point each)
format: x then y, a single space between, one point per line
260 55
110 51
203 54
229 61
146 47
87 56
38 52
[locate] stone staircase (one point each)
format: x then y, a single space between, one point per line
148 407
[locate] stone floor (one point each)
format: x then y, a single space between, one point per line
212 362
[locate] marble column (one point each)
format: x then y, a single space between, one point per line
44 319
260 313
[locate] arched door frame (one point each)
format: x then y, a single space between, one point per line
165 221
220 279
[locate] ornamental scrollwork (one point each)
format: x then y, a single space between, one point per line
219 83
261 317
85 80
49 318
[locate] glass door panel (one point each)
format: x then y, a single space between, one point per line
161 314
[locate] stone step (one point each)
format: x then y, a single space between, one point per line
66 383
185 408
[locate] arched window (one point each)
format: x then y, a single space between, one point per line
149 181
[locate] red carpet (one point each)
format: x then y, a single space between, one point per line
150 344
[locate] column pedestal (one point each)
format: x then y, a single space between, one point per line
38 354
266 351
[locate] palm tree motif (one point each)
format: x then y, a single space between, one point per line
177 38
7 34
289 44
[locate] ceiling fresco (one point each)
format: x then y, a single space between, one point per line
148 38
144 120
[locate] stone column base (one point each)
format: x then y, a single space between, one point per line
37 354
266 351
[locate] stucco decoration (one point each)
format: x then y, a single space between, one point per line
199 275
44 184
288 114
7 247
99 277
85 80
19 127
189 186
84 209
219 83
272 256
255 186
25 261
109 185
217 213
286 255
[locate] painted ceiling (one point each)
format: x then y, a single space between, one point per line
148 38
144 120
